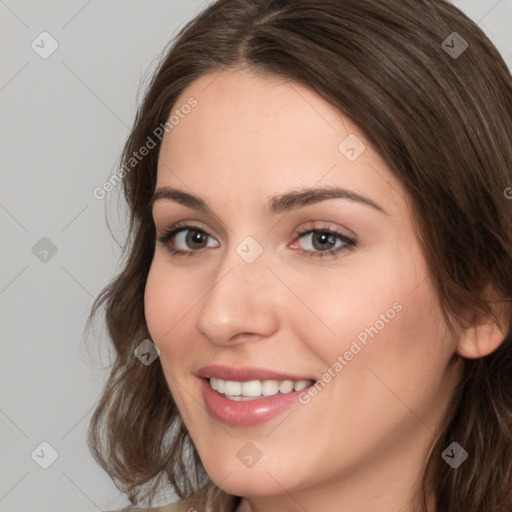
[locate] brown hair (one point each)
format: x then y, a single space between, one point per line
441 121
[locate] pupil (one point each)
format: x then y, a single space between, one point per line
195 237
325 238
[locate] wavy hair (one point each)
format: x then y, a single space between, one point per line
442 122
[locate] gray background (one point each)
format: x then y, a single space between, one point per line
64 120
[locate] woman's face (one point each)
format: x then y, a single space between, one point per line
250 297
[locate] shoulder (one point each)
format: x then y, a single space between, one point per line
180 506
207 499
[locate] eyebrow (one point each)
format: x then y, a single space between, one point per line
277 204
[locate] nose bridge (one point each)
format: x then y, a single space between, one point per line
240 297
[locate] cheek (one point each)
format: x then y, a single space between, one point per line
166 305
349 304
165 301
377 312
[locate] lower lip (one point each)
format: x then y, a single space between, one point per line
246 413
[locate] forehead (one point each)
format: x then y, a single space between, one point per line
246 102
255 132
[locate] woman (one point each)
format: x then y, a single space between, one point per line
315 311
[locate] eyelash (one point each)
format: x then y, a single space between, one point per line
170 233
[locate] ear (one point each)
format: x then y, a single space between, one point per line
483 336
480 340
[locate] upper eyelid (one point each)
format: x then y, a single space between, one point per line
193 223
301 211
181 226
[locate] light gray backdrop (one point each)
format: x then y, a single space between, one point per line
69 77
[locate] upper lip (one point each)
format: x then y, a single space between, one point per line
246 373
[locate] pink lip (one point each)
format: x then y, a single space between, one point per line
246 373
251 412
246 413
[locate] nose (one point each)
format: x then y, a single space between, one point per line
241 303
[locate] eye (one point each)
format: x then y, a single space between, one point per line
188 239
322 242
178 237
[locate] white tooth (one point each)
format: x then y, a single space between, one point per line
270 387
301 384
232 388
286 386
241 398
239 391
251 388
234 398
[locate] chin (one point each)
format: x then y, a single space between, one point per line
248 485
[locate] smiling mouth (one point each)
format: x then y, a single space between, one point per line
242 391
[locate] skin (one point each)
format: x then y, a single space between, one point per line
362 442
